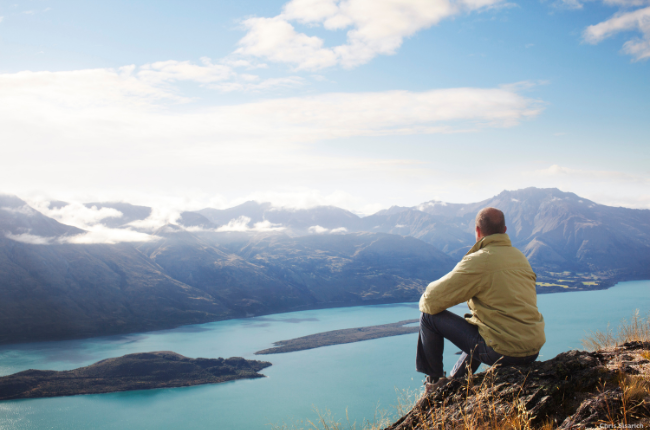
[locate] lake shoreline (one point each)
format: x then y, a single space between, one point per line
334 305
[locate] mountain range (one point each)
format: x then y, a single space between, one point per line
256 259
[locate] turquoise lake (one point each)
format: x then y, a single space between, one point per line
357 377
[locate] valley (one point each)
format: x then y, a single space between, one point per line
256 259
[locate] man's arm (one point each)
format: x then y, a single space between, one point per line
457 286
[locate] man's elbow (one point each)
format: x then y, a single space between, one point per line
429 306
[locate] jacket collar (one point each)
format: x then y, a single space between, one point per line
500 239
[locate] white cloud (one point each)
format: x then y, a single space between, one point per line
317 229
101 234
76 214
241 225
86 218
30 239
114 127
122 108
170 71
245 84
159 217
266 225
375 27
625 21
97 235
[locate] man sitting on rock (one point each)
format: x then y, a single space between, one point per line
498 284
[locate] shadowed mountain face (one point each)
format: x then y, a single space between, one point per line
194 272
61 291
556 230
268 273
18 218
129 213
64 291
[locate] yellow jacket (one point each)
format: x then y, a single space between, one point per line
498 284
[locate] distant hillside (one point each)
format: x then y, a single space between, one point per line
64 291
297 220
257 259
558 231
56 291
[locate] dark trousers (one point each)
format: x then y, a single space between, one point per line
434 329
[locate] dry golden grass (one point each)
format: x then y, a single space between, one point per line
482 409
484 412
637 329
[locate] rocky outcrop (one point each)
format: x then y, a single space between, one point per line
575 390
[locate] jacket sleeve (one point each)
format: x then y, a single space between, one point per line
461 284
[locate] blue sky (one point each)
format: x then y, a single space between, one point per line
357 103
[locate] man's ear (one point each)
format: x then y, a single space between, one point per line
505 228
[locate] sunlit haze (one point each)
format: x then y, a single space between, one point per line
355 103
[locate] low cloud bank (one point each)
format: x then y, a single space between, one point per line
99 235
317 229
241 225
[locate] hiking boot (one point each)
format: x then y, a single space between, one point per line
432 384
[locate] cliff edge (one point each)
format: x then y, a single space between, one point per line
609 388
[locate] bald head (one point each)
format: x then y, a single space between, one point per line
490 221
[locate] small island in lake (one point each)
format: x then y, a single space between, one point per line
141 371
337 337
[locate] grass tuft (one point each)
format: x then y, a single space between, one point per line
637 329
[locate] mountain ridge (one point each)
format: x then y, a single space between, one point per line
195 270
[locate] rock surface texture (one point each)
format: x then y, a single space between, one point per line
576 390
161 369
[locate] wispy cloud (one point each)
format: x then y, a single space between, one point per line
375 27
637 20
250 83
160 216
317 229
129 106
632 16
98 235
31 239
35 11
86 218
241 224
